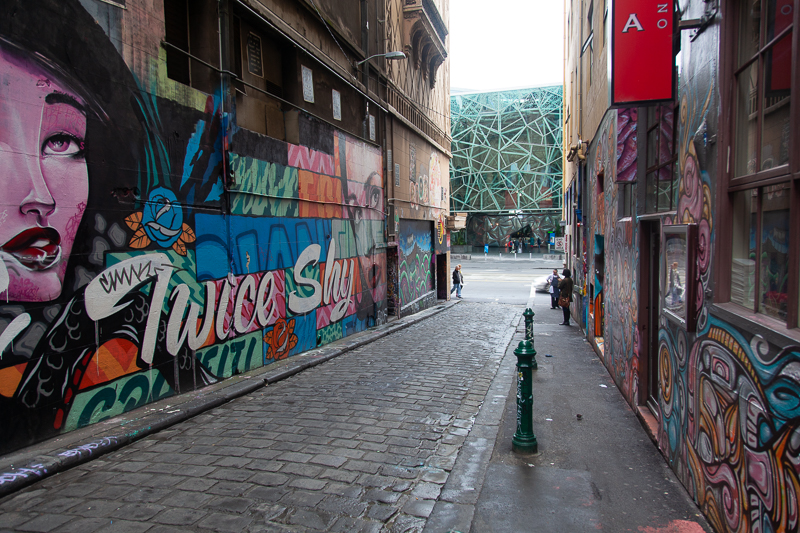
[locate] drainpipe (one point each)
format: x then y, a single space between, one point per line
224 81
223 30
365 65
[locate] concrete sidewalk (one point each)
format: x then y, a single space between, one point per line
596 468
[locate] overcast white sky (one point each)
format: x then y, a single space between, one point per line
504 44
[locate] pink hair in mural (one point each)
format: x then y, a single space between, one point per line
627 122
45 183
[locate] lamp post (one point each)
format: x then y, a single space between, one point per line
388 55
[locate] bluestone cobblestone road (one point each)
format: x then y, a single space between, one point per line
364 442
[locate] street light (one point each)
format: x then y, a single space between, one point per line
388 55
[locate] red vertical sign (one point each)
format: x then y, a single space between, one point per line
779 59
642 59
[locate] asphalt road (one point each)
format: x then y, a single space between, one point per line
505 281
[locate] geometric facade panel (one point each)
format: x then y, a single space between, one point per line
507 152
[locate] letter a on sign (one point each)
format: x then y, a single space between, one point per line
641 54
633 22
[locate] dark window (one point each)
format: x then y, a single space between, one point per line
660 177
763 241
192 43
625 195
763 86
236 68
176 20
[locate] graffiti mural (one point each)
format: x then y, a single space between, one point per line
733 438
417 260
152 247
614 261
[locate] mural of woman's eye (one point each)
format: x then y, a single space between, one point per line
374 197
62 144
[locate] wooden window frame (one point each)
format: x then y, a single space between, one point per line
728 183
656 168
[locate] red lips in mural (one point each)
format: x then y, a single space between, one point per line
36 248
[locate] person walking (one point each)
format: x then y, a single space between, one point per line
565 291
552 281
458 281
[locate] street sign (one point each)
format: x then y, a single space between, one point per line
641 53
560 243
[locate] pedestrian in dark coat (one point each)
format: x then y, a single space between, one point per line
458 281
565 291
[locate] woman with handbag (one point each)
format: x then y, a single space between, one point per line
565 288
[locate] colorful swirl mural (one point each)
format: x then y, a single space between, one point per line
615 239
417 260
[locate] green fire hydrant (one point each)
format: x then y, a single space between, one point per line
528 314
524 441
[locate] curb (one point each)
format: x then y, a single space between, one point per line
454 510
61 453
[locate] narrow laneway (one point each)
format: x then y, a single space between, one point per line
363 442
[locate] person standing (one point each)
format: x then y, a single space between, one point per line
458 281
565 291
675 292
552 281
538 244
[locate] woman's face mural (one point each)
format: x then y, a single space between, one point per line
43 176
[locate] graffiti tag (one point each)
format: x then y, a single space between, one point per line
337 287
88 448
22 473
105 291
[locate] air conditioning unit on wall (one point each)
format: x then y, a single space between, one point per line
457 221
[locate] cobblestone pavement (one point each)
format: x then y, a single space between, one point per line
363 442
